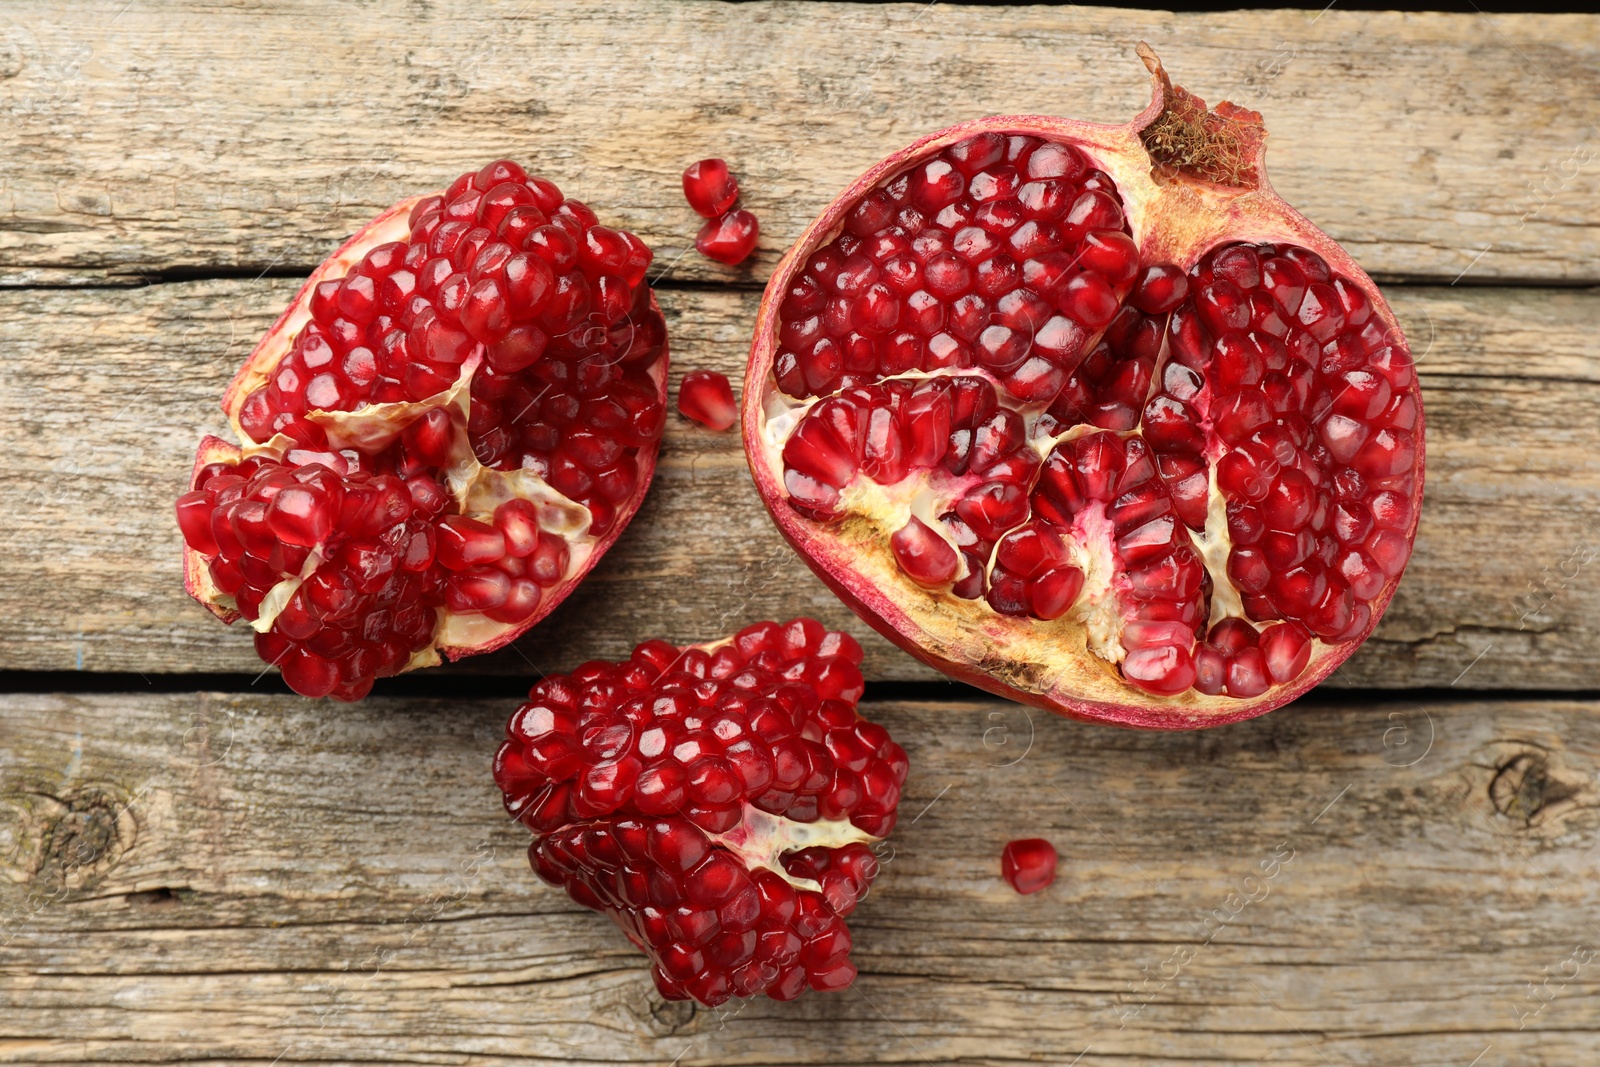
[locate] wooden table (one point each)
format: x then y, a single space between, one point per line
196 868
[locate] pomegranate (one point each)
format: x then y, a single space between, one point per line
1086 415
730 234
1028 865
447 428
706 397
729 239
719 802
710 188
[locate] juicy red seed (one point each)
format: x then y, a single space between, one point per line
926 557
1164 670
1028 865
730 238
623 770
707 398
1161 288
710 188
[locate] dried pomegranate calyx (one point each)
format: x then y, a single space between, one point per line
1089 416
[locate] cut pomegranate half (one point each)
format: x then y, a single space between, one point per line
1088 416
718 802
447 428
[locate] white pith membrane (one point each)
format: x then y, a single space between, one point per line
477 490
1070 662
761 838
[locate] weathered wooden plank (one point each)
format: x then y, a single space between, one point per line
215 878
105 393
197 135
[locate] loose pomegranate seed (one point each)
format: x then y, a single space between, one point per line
706 397
710 188
1028 865
718 802
729 239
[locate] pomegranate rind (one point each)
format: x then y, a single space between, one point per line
477 489
1174 217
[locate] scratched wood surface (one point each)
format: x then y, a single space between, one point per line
114 387
233 879
203 877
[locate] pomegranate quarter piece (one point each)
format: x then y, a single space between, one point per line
452 422
1028 865
719 802
1086 415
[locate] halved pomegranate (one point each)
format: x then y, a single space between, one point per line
719 802
447 428
1086 415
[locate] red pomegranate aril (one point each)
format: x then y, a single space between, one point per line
707 398
710 188
1284 402
1028 865
624 817
925 556
729 239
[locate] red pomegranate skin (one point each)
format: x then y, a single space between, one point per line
719 802
1087 416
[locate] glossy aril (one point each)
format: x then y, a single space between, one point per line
729 239
1028 865
1089 417
710 188
449 425
706 397
720 802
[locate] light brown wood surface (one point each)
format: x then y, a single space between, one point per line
114 387
234 877
256 879
188 137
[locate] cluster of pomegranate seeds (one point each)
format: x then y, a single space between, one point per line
363 552
1204 469
718 802
1006 253
499 264
1028 865
706 397
730 235
1309 400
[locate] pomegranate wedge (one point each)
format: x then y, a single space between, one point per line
447 428
719 802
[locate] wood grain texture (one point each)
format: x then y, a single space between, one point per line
211 878
192 136
105 393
